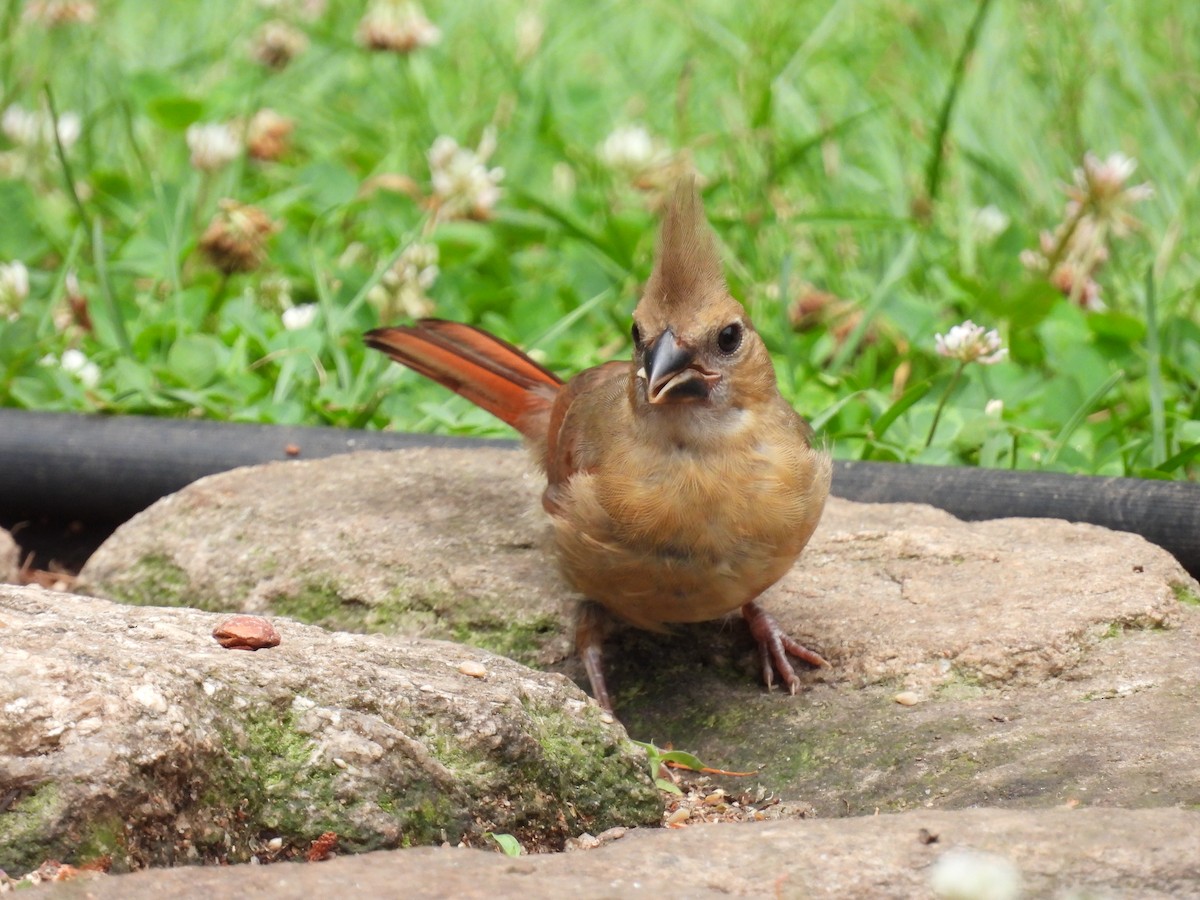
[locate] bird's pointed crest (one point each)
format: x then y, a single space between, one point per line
688 266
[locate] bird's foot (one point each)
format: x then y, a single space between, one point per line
774 648
590 629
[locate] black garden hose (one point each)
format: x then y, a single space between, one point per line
102 470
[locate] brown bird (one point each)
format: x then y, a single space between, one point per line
681 485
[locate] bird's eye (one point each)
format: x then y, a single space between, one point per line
730 338
637 335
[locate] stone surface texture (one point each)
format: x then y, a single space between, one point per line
1022 687
130 733
1079 853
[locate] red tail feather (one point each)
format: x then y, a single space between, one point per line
491 373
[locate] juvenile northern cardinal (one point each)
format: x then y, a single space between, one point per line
680 484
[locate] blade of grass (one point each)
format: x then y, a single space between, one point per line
818 421
1158 418
905 402
899 267
1180 459
937 148
89 225
1081 413
620 263
552 333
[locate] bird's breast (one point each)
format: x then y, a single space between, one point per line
673 534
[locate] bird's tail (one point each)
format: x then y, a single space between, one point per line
491 373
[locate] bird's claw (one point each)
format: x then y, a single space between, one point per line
774 648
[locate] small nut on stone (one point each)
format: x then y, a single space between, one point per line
246 633
473 668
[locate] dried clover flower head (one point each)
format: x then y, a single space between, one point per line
236 238
267 134
969 343
52 13
397 26
277 43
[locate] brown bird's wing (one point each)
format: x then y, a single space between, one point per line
490 372
598 395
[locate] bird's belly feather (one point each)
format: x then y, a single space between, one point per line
685 541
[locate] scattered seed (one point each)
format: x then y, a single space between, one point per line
473 668
680 815
246 633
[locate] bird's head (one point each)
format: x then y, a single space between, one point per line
693 342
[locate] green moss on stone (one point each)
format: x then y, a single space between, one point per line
1184 594
515 637
601 777
154 580
268 778
315 604
105 837
961 685
27 829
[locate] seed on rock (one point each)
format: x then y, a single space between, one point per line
679 816
246 633
473 668
907 698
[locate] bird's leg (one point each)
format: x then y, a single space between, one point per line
774 647
591 626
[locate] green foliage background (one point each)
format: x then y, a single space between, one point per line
814 123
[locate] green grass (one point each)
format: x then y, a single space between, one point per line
813 124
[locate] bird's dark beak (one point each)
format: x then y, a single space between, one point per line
671 372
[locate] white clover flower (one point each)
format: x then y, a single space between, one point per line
988 223
631 150
297 317
1105 179
1099 192
76 363
14 286
972 875
529 30
213 145
562 179
463 185
969 342
1098 207
34 129
401 290
398 26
